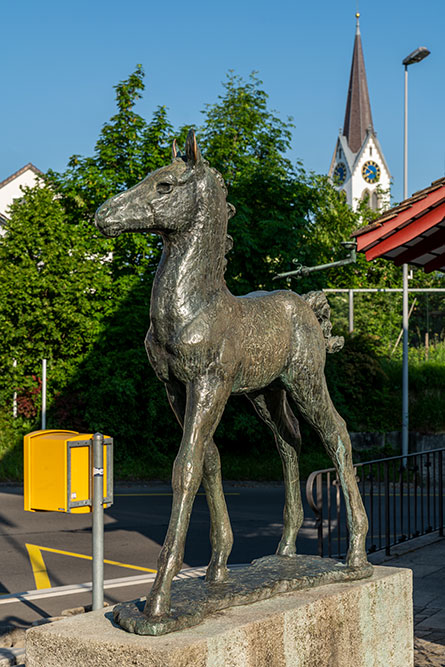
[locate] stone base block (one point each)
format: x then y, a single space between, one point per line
365 623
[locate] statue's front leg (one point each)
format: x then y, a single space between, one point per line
206 399
221 535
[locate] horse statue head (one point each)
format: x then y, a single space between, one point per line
169 200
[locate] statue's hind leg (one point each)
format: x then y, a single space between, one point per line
221 536
310 393
273 408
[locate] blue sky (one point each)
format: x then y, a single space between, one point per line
60 61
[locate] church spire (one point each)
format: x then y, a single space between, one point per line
358 118
358 166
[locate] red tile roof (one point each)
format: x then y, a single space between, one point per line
412 232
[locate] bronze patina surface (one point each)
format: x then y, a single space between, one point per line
205 344
192 600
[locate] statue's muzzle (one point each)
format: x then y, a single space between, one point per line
123 214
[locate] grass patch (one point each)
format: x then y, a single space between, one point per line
11 450
262 467
140 469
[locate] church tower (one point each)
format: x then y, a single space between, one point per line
358 165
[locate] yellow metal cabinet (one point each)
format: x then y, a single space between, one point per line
58 468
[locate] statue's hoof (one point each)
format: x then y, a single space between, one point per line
130 617
286 550
216 575
362 569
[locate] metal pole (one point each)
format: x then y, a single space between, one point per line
98 521
405 415
43 394
405 139
14 396
383 290
427 333
351 311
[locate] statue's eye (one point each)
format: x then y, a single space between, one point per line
164 188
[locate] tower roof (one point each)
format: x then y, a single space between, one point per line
358 118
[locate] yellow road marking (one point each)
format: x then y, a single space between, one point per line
39 569
129 495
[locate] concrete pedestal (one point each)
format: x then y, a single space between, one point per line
366 623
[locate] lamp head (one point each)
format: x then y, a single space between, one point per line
416 56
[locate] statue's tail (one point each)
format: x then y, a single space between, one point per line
319 304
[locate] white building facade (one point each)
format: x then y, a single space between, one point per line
358 166
11 188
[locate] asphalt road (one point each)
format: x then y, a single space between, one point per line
50 549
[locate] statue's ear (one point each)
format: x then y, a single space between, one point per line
192 151
175 152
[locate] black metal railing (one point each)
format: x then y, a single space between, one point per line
403 497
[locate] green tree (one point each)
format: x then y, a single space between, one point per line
241 136
279 206
54 291
128 148
115 380
66 289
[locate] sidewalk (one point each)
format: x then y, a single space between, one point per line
425 556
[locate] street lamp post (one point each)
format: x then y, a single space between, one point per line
414 57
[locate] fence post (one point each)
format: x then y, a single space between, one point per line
319 492
351 310
387 512
441 494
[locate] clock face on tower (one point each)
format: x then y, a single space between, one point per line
340 174
371 172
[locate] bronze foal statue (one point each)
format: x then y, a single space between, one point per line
205 344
